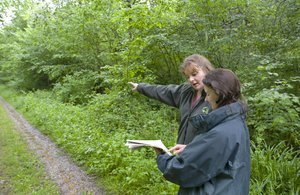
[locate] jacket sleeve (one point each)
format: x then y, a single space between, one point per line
203 159
168 94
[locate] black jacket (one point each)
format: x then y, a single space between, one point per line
182 97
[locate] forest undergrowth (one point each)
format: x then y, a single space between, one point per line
95 135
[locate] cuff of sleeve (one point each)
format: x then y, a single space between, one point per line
140 87
162 161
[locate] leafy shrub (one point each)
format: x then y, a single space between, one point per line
273 117
77 88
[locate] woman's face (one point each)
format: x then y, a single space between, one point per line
211 97
195 75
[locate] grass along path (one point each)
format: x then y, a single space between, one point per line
20 170
69 178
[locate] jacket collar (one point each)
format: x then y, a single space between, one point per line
205 122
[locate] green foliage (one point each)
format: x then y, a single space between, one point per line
274 170
127 114
77 88
153 35
95 135
116 77
274 116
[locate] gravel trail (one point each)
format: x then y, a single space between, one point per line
69 177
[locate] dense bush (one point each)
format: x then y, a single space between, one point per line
274 116
42 46
77 88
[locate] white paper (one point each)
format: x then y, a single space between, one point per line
135 144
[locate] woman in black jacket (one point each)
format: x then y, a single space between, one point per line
187 97
217 161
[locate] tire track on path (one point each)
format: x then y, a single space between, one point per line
68 176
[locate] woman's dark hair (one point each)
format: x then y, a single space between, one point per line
226 85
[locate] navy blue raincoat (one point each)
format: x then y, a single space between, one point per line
217 161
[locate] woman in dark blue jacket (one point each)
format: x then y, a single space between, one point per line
218 161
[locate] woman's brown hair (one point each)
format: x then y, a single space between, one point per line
198 61
226 85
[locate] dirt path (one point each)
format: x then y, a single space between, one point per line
69 177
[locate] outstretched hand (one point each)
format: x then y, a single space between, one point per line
134 85
177 149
